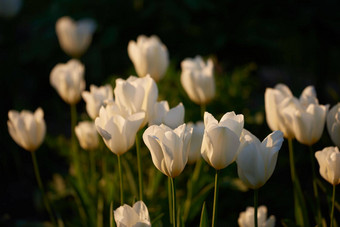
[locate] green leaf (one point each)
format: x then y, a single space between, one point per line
204 221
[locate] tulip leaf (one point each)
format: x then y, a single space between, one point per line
204 222
288 223
157 219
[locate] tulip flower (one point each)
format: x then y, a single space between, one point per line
196 141
75 37
162 114
10 8
95 98
87 135
68 80
149 56
333 124
27 129
256 161
197 79
246 218
138 215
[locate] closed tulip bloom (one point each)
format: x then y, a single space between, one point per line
197 79
149 56
68 80
95 98
162 114
136 95
196 141
333 124
75 37
169 148
27 129
246 218
329 161
118 131
10 8
221 139
138 215
256 161
87 135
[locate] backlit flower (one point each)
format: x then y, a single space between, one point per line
138 215
87 135
333 124
196 141
162 114
329 161
246 218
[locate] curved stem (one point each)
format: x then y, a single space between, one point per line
140 176
41 186
333 202
315 188
215 198
256 198
173 184
120 181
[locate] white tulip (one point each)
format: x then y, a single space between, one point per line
162 114
87 135
136 216
27 129
75 37
256 161
10 8
68 80
333 124
196 141
149 56
169 148
329 161
246 218
221 139
197 79
96 98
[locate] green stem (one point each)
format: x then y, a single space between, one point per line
291 159
111 214
256 199
215 198
173 184
140 176
93 169
333 202
120 181
170 198
203 108
315 188
100 208
45 199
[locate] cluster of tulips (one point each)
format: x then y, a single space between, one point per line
131 111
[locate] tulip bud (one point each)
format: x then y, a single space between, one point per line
169 148
149 56
246 218
333 124
87 135
10 8
196 141
329 161
68 80
75 37
256 161
95 98
197 79
138 215
27 129
221 139
162 114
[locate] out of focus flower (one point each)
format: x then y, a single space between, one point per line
95 98
75 37
333 124
162 114
197 79
196 141
329 161
221 140
169 148
256 161
246 218
149 56
68 80
118 131
138 215
87 135
136 95
27 129
10 8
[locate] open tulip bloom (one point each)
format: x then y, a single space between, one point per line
333 124
246 218
162 114
127 216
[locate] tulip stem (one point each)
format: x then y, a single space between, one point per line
170 198
120 181
173 184
256 199
140 176
333 202
203 108
315 188
41 186
215 198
